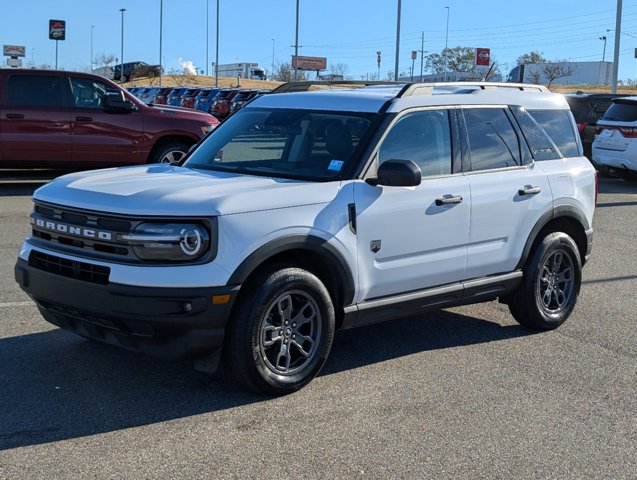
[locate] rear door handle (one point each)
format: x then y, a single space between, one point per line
529 190
84 119
448 200
15 115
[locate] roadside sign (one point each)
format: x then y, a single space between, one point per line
483 56
309 63
57 29
13 51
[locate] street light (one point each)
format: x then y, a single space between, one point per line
92 27
161 27
121 68
272 71
207 41
217 50
446 43
296 44
604 54
397 43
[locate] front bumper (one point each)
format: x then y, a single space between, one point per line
170 323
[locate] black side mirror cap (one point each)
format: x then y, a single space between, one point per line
397 173
115 101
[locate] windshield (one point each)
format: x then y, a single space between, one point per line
286 143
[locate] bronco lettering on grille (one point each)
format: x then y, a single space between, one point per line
71 230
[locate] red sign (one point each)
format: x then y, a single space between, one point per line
57 29
483 56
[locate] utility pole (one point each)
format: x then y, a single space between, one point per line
296 44
618 28
121 67
217 50
161 25
422 52
92 27
397 43
447 44
207 41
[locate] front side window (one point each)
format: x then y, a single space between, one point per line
492 138
87 93
35 91
422 137
287 143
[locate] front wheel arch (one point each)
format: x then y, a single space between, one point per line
165 142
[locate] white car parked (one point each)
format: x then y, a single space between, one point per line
615 144
309 212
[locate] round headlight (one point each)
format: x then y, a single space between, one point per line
191 241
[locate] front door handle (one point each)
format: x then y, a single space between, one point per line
448 200
15 115
84 119
529 190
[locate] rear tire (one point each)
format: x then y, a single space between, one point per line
281 333
551 283
170 153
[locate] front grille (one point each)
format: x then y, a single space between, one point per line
69 268
77 231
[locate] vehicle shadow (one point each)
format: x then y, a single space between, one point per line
58 386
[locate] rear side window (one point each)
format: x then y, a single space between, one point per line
541 145
622 111
557 124
35 91
493 140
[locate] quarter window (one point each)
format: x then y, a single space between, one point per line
422 137
35 91
492 138
558 125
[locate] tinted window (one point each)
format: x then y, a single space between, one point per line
422 137
622 111
557 124
492 138
87 93
35 91
542 147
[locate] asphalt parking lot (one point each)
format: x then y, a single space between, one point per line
459 393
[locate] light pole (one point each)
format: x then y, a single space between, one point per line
161 28
121 67
446 43
92 27
33 57
618 29
603 54
217 50
272 71
296 44
207 41
397 43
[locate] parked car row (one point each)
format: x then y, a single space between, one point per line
219 102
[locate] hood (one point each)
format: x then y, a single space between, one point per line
169 110
166 190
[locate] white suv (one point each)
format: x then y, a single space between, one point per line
309 212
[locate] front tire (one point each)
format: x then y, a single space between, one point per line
551 284
170 153
281 332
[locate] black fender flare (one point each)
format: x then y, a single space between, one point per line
558 211
312 244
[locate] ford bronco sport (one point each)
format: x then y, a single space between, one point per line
310 212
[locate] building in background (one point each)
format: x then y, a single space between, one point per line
563 73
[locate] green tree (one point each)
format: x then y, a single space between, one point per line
531 57
458 59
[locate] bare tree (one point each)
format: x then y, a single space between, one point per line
104 60
283 72
553 71
339 69
534 77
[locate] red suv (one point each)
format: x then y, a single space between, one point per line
52 118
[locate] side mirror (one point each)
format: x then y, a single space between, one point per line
397 173
115 101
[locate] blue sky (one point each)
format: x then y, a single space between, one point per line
345 31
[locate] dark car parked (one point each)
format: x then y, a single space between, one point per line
587 109
188 98
221 104
243 97
136 70
205 97
174 97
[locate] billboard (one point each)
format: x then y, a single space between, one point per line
483 56
309 63
57 29
13 51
